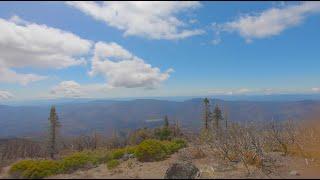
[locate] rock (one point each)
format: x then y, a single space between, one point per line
127 156
294 173
182 170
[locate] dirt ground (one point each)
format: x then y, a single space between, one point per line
210 167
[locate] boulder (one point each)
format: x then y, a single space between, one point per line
182 170
127 156
294 173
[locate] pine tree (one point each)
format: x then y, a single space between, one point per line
207 113
217 117
166 121
53 131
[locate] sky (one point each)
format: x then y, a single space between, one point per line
142 49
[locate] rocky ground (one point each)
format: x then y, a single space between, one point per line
209 165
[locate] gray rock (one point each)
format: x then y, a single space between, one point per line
182 170
127 156
294 173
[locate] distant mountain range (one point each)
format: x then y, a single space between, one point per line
271 97
105 116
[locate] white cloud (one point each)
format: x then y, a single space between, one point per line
315 89
25 44
216 41
74 89
231 92
123 69
271 22
9 76
4 95
154 20
68 89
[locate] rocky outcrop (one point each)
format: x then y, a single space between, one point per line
182 170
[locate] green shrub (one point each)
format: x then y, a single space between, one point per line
80 160
174 146
34 169
117 153
113 164
171 147
20 166
182 143
131 149
150 150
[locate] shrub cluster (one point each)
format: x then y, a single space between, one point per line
155 150
35 169
148 150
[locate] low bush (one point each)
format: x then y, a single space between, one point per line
117 153
182 143
112 164
151 150
131 149
148 150
80 160
35 169
155 150
174 146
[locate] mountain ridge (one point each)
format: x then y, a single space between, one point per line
107 116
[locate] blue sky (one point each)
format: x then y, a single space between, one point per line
166 49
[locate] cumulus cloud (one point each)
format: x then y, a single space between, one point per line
74 89
271 22
68 89
9 76
5 95
154 20
123 69
25 44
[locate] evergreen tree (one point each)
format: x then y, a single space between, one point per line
53 131
166 121
207 113
217 117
